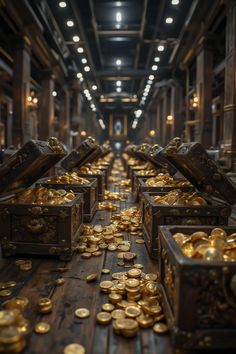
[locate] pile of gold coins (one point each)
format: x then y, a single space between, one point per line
150 172
88 169
128 220
113 179
13 325
177 197
134 302
107 206
123 183
69 178
213 246
97 238
165 180
41 195
115 196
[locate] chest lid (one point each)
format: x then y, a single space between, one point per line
28 164
155 156
86 152
192 160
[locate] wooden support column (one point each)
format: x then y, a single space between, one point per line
46 106
229 138
204 93
163 118
21 90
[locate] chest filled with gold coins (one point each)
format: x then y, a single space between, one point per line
37 220
70 181
79 161
198 284
208 205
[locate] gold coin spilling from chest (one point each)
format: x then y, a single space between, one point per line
82 313
108 307
74 348
42 328
105 271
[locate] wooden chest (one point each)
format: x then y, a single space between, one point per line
42 229
199 297
159 160
89 191
154 215
134 181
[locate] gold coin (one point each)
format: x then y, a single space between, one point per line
132 283
5 293
104 318
138 266
144 321
132 311
9 335
105 285
44 301
42 328
59 281
86 255
82 313
22 301
127 324
108 307
116 314
151 277
139 241
129 256
160 328
134 273
119 275
114 298
92 277
10 284
112 247
7 318
97 253
74 348
106 271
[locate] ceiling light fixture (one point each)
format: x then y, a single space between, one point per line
160 48
151 77
87 68
145 94
118 89
81 79
169 20
118 16
118 83
154 67
76 38
79 75
62 4
157 59
175 2
54 93
84 60
70 23
94 87
118 62
80 50
149 82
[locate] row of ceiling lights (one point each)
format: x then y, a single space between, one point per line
86 68
160 48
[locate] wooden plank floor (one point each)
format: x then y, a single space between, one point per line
76 292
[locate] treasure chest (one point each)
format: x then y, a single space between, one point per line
194 163
154 215
89 191
36 228
87 152
198 296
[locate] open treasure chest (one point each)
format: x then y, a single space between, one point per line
197 266
80 160
208 205
37 220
